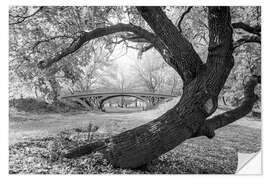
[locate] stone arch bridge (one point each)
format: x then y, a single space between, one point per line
96 100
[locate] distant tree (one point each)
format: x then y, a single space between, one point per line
150 72
90 74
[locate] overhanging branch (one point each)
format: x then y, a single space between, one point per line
99 32
133 38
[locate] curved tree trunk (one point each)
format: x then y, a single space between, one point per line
138 146
202 85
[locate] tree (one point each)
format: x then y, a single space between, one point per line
150 72
202 83
89 74
155 76
39 32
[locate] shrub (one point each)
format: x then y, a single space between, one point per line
40 106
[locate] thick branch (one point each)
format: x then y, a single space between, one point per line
99 32
220 34
184 57
247 39
50 39
251 29
182 17
228 117
220 60
133 38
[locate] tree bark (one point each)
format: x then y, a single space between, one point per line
183 57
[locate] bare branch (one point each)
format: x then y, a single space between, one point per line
251 29
23 18
182 17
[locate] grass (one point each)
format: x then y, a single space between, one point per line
33 138
198 155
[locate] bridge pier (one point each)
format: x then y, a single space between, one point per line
83 103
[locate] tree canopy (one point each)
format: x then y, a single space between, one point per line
80 40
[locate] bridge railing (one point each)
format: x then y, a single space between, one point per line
115 93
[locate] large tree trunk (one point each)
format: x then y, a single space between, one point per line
202 85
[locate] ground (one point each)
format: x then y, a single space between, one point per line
31 137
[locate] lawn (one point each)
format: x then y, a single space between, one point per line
33 139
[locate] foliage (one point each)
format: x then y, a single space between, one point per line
39 106
46 33
247 57
37 33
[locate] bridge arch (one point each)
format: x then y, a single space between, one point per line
122 95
